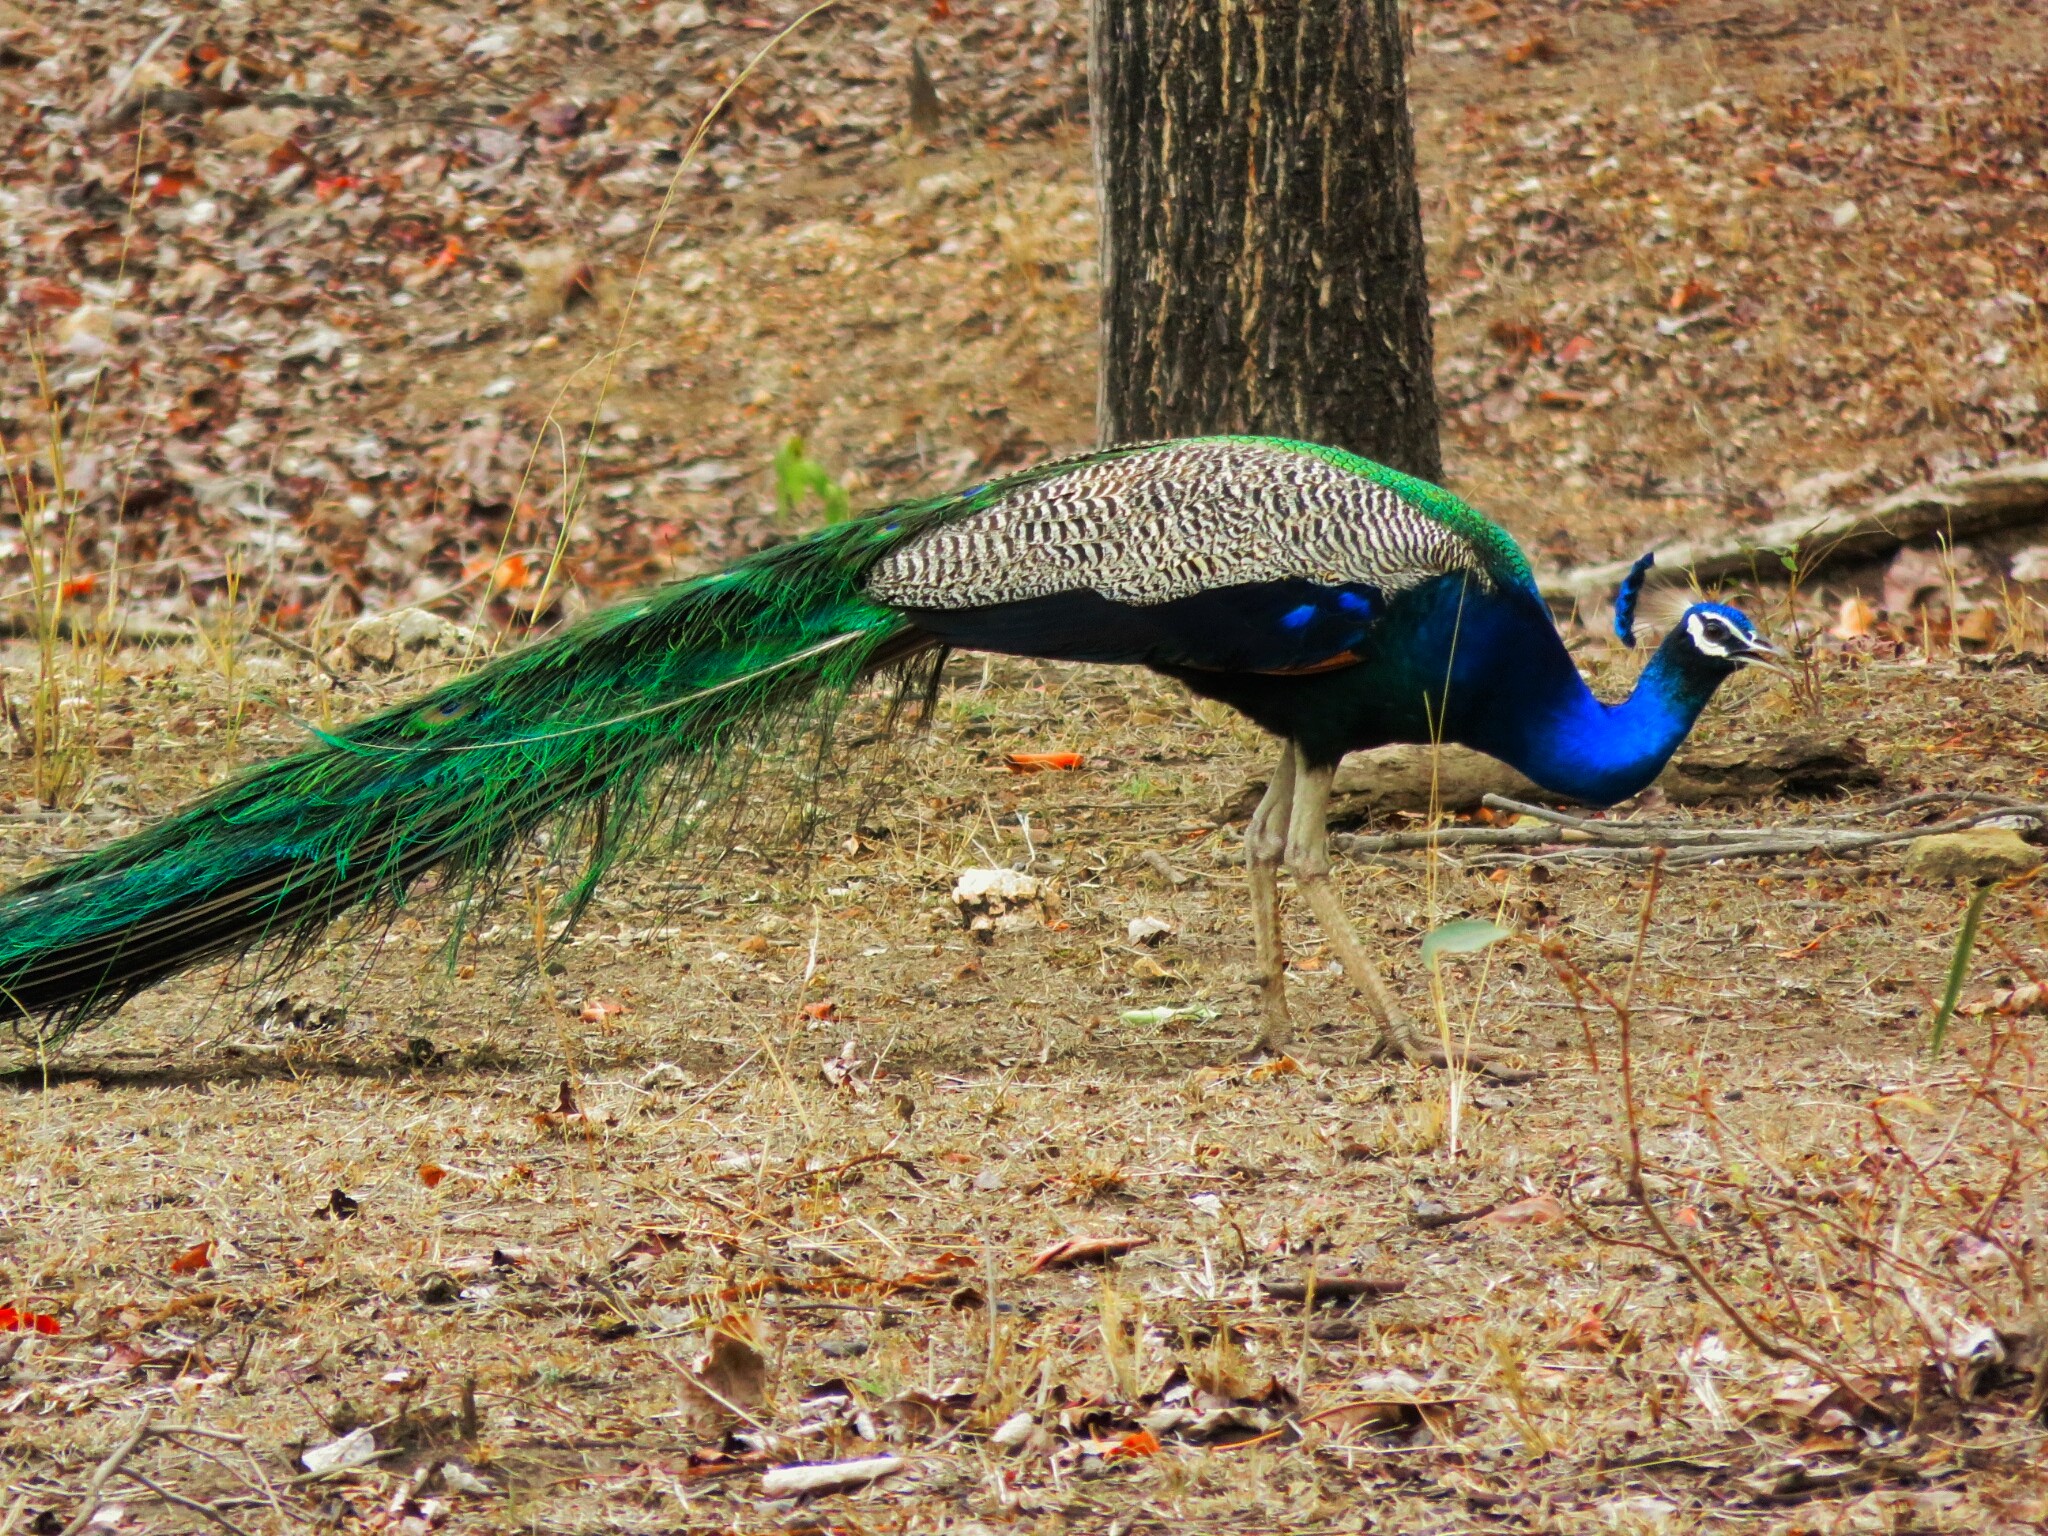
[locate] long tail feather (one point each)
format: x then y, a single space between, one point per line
604 722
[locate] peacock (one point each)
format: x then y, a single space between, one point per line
1335 602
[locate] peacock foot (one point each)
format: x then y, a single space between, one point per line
1329 1054
1402 1043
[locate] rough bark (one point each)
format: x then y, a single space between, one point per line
1262 257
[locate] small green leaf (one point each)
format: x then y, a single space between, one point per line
799 477
1467 936
1959 967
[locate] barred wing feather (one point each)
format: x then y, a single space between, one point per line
1161 522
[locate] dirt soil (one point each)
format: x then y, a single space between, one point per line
775 1160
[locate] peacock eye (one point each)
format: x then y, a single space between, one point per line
444 711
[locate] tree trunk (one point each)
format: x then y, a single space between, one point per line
1262 258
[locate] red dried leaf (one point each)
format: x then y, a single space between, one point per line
12 1321
450 253
1138 1443
45 294
1086 1250
1590 1333
431 1174
193 1259
1694 295
1041 762
1537 47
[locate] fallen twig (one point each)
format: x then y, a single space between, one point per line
1329 1290
179 1499
1641 842
89 1502
117 90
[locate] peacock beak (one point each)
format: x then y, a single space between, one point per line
1761 653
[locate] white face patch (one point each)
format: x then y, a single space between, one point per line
1712 636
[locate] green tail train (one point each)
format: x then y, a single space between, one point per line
605 724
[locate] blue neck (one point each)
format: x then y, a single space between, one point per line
1574 745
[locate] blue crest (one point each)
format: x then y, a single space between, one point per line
1625 599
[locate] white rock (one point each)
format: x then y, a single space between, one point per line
1013 1431
679 16
827 1476
1149 930
985 887
356 1448
387 640
2031 563
998 900
460 1479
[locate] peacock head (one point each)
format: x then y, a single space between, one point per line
1712 641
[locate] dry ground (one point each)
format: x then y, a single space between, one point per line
815 1132
854 1172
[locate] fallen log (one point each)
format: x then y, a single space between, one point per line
1541 833
1960 508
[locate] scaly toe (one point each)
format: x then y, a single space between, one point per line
1486 1060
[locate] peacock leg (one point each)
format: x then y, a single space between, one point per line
1308 857
1265 843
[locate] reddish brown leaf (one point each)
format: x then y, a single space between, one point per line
1535 1211
45 294
1856 620
1692 296
945 1269
1537 47
193 1259
1517 336
1372 1417
1086 1250
649 1245
1590 1333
